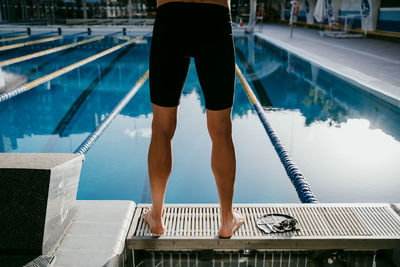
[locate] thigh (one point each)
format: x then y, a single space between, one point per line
169 63
215 66
215 58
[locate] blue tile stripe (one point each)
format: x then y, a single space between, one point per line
350 12
389 15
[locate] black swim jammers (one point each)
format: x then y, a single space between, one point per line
204 32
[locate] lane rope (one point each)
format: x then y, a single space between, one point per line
48 51
13 38
61 128
18 45
11 34
91 139
26 87
300 183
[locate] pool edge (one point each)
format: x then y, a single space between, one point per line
372 85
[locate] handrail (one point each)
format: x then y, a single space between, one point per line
91 139
48 51
19 90
300 183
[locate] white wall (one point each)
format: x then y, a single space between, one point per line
310 14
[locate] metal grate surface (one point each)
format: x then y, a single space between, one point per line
41 261
256 259
343 223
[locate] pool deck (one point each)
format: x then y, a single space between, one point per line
110 233
97 235
371 64
366 226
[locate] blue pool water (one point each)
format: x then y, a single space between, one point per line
346 142
32 37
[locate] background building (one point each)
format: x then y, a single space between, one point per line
386 13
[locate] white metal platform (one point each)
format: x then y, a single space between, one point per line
323 226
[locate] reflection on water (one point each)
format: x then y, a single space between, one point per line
344 141
292 83
191 178
69 104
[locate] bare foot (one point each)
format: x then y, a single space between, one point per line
156 226
226 231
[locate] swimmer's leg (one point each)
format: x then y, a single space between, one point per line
223 164
160 162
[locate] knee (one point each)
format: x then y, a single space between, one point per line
164 128
220 129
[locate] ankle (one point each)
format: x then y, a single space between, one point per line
227 217
155 216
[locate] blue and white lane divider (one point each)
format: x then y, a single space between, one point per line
300 183
48 51
91 139
28 43
28 86
3 35
14 38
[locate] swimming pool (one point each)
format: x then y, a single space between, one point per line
346 142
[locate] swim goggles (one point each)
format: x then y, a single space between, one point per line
277 223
